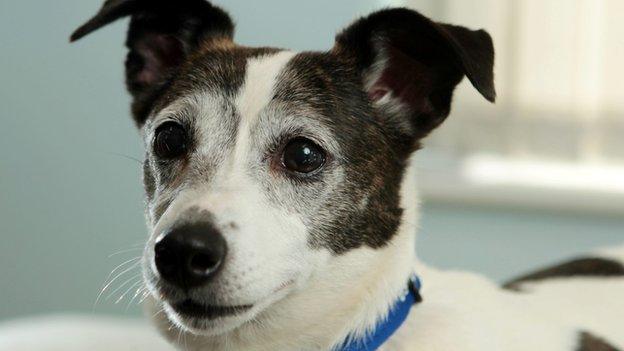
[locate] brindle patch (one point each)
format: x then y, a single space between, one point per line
364 208
216 70
583 267
149 183
589 342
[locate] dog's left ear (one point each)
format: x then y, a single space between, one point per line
411 65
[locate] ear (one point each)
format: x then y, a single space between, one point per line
410 65
162 34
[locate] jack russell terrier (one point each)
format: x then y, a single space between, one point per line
281 202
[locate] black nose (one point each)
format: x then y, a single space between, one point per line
190 255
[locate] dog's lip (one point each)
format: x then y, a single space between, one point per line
194 309
189 308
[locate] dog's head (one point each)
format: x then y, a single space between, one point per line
264 166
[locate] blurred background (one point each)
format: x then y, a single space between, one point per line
505 188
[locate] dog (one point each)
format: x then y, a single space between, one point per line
281 202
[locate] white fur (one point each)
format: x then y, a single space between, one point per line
270 246
268 249
348 295
461 311
79 333
305 299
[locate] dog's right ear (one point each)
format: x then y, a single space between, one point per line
162 34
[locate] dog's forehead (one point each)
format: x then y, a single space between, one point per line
253 77
218 71
246 76
262 74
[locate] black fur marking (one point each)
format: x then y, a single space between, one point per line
415 291
162 35
589 342
584 267
422 62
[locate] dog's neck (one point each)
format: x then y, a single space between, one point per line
347 299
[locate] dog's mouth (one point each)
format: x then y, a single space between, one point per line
190 308
205 318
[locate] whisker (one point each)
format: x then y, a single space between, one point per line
127 291
179 336
138 248
124 284
145 296
107 285
138 292
160 310
126 157
121 265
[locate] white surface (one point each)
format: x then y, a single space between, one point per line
79 333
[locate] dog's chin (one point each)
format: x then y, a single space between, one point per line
202 320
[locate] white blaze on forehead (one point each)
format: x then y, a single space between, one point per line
258 87
256 93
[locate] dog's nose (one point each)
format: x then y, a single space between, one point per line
190 255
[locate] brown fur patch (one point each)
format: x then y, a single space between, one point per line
589 342
583 267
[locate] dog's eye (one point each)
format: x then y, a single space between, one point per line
302 155
170 140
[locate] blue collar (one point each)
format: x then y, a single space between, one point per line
386 327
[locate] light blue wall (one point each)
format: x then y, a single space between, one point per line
70 192
504 242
